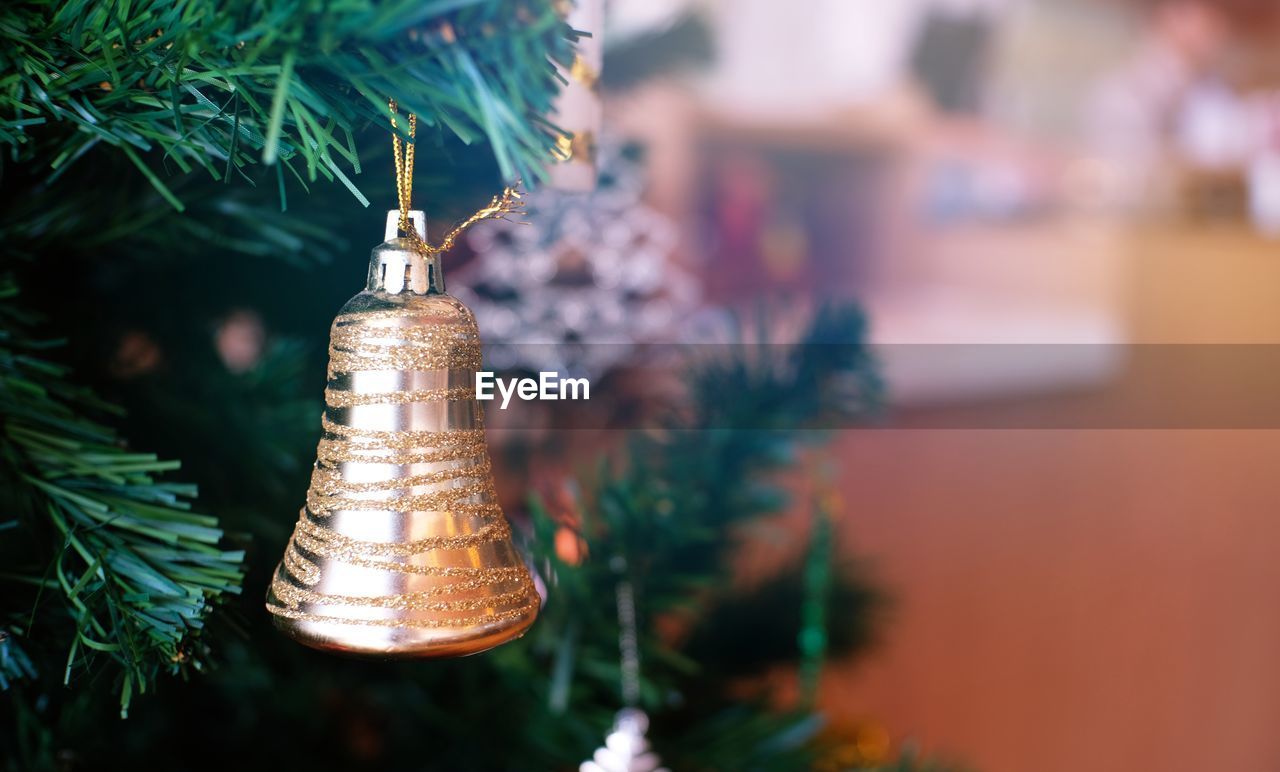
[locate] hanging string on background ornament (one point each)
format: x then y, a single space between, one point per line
509 202
628 640
626 749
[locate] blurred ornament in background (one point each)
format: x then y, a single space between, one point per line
578 109
1214 127
625 749
1264 168
240 340
1264 194
589 277
571 548
136 354
402 549
560 496
850 745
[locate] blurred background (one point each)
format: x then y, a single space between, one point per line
1081 177
1061 221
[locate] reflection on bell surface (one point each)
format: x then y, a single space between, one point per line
402 549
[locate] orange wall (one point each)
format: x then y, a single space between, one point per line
1071 600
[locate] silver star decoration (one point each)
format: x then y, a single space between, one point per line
625 749
588 279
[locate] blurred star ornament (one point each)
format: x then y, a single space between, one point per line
402 550
625 749
590 279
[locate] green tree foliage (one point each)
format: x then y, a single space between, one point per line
133 571
221 86
115 116
670 507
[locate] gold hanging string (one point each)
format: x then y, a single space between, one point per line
404 166
497 208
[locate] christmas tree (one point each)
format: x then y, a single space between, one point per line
182 178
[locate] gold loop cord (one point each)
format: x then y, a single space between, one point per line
498 207
403 154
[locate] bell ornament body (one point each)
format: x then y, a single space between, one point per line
402 549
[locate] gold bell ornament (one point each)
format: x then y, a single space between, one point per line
402 549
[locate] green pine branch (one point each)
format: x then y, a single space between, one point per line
668 505
134 571
177 86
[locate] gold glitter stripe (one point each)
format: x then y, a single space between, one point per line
342 398
398 439
466 323
299 567
471 621
332 452
410 601
433 501
330 482
487 509
370 358
324 550
421 339
345 554
354 333
449 571
495 530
